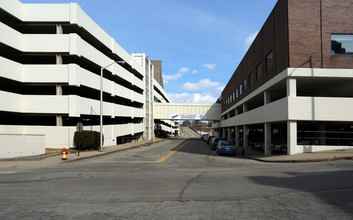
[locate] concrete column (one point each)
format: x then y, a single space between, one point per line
236 111
224 132
245 139
291 137
268 132
236 136
267 97
228 135
59 90
291 87
245 108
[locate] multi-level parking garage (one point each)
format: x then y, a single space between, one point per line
51 57
293 87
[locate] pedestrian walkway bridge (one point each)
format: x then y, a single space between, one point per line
187 111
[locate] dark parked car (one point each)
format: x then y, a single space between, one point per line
209 139
223 147
203 136
215 141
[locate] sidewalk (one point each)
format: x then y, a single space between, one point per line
55 158
320 156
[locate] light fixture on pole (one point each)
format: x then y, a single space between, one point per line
101 102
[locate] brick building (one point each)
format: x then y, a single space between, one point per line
294 86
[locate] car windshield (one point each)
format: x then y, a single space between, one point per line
224 143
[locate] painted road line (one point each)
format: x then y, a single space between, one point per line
7 172
173 152
122 161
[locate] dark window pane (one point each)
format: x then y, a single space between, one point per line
258 71
269 61
342 44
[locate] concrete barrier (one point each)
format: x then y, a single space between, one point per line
21 145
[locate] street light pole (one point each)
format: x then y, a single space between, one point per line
101 103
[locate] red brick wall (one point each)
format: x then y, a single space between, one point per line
272 37
293 32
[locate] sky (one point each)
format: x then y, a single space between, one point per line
200 42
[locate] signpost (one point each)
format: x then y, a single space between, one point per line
79 128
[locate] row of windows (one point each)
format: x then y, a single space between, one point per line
258 75
341 44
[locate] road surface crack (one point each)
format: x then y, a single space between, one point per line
188 184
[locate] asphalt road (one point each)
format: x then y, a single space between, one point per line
189 182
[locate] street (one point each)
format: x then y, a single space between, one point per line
178 179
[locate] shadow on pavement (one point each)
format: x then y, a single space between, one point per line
334 187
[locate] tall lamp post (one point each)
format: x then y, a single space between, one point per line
101 103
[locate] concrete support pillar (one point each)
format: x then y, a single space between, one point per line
291 87
224 132
291 137
245 108
245 139
268 133
236 111
236 136
59 90
229 135
267 97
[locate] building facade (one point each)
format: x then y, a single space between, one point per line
50 62
293 87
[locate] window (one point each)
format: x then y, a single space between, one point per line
233 95
269 61
258 71
236 93
245 85
251 79
342 44
241 89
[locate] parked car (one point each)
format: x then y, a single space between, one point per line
223 147
209 139
215 141
203 136
279 147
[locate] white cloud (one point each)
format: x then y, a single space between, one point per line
192 98
183 70
179 74
210 66
194 71
167 78
249 40
199 86
219 90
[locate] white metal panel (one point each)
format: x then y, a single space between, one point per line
46 12
320 109
10 102
12 37
58 43
14 7
10 69
45 104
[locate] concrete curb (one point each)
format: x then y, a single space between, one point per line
324 159
30 158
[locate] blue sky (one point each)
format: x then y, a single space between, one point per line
200 42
